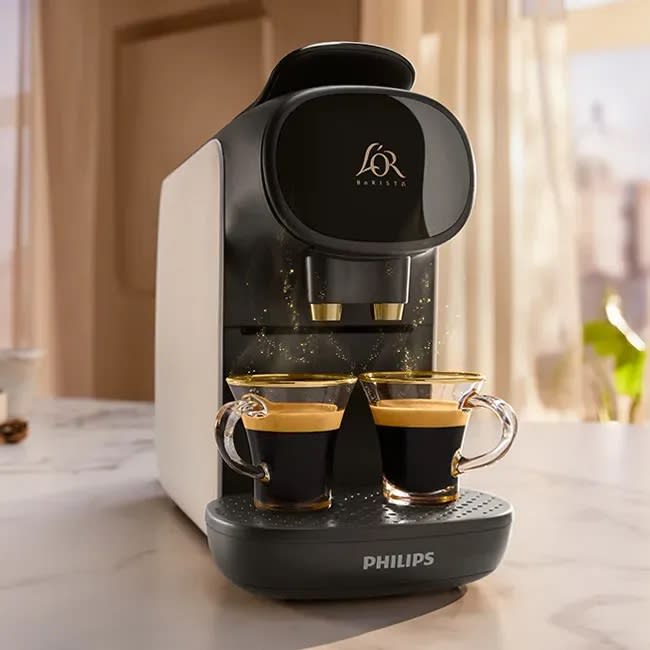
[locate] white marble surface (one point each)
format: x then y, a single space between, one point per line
93 556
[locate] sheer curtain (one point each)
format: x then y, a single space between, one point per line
13 97
26 278
509 282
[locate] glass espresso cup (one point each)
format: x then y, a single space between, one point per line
291 422
421 418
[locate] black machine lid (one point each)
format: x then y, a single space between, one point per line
337 64
369 171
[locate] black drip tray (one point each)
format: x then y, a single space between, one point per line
360 547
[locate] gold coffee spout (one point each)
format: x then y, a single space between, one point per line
324 311
387 310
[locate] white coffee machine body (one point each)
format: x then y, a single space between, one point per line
189 313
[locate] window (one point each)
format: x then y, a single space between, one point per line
612 144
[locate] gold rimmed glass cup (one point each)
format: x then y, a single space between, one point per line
292 422
421 418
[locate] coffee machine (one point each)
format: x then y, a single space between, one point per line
302 238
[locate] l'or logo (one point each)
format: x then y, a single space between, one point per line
379 161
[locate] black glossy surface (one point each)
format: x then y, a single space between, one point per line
324 147
367 171
335 64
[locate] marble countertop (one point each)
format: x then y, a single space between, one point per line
93 556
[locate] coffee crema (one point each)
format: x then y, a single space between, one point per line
296 417
418 413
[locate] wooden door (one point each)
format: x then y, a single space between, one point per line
170 75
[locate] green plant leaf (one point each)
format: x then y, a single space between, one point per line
629 362
628 375
606 339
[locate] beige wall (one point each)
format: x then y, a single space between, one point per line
123 91
66 158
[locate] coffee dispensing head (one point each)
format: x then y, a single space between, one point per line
333 282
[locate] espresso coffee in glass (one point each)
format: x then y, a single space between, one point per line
421 419
292 422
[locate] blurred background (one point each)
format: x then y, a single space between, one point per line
547 290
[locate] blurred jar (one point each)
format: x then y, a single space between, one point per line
18 378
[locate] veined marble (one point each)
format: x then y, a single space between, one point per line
93 556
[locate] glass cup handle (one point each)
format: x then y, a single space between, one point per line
508 417
224 432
